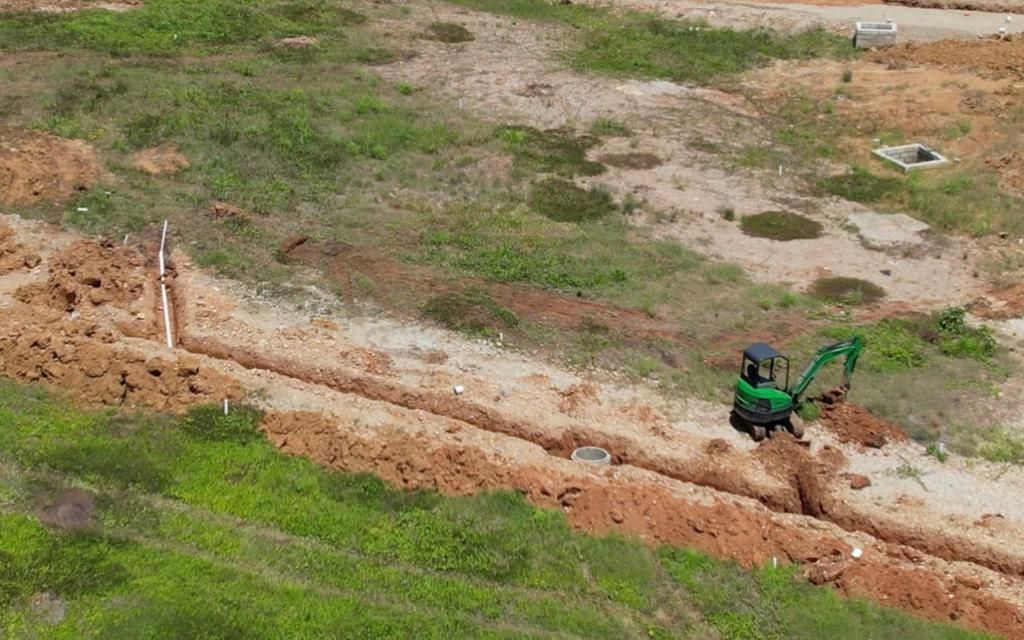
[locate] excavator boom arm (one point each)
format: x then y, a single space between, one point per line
850 348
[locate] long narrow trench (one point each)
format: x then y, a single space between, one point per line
701 471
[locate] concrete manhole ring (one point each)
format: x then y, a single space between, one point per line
591 455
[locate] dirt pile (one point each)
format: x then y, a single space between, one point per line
37 167
991 56
851 423
82 357
13 254
163 159
786 458
87 275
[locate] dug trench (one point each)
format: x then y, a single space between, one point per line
636 502
802 480
651 502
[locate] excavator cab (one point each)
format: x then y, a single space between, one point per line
764 367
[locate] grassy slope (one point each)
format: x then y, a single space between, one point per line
203 529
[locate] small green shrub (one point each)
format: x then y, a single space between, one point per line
936 452
781 225
847 76
808 411
955 338
450 32
563 201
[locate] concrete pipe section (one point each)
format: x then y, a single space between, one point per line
591 455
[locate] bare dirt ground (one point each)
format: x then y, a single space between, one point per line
62 6
690 188
38 167
375 396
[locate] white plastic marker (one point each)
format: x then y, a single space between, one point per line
163 290
780 170
775 562
459 389
856 553
225 406
126 238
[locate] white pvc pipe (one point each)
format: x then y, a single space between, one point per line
163 290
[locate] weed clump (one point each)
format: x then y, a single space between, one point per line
563 201
450 32
610 128
553 151
846 290
471 311
780 225
860 185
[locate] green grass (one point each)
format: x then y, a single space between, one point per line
558 151
780 225
224 537
176 27
634 44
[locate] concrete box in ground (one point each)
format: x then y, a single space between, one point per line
874 34
911 156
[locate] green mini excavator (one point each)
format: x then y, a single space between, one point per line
764 400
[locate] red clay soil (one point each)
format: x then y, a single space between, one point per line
395 282
1002 58
998 6
850 423
13 254
79 356
1001 304
87 275
655 513
37 167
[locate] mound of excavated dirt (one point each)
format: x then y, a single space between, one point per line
998 57
89 273
13 254
37 167
160 160
790 461
83 358
851 423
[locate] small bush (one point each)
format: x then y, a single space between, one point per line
472 311
847 76
781 225
728 213
934 451
861 185
955 338
808 411
634 160
563 201
450 32
846 290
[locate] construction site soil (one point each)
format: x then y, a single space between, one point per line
365 397
37 167
999 57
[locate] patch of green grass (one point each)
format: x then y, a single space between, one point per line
175 27
450 32
635 44
860 185
780 225
563 201
846 290
756 157
957 130
472 311
609 128
556 151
